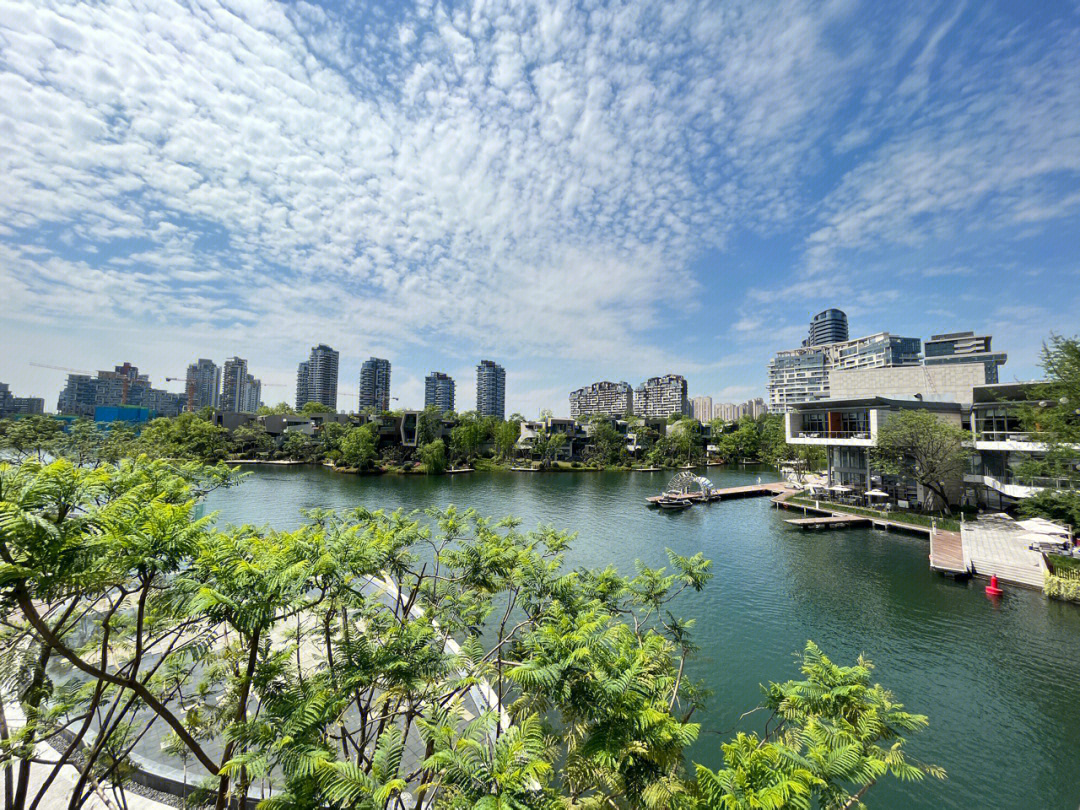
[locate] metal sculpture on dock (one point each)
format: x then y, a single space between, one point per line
686 483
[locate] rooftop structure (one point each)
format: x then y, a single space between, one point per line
829 326
964 347
602 398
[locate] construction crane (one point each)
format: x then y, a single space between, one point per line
190 407
62 368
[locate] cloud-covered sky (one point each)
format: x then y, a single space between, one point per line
580 191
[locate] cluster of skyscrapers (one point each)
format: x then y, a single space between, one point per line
822 368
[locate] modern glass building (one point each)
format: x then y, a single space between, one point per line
317 378
829 326
203 384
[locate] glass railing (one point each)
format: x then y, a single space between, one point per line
834 434
1002 436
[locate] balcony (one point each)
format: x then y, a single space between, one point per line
1007 440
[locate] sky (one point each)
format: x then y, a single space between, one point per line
577 190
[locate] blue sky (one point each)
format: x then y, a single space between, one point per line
580 191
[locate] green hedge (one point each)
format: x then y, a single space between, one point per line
1066 588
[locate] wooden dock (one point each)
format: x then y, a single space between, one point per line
947 553
829 522
752 491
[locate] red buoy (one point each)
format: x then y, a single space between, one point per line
992 589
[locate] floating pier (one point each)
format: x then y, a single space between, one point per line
708 495
829 522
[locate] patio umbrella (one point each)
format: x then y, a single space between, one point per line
876 493
839 488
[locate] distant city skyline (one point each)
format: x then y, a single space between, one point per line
419 191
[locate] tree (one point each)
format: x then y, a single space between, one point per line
188 436
82 443
314 654
433 457
281 409
37 436
917 445
359 447
251 440
316 407
506 437
608 445
297 445
428 425
1055 419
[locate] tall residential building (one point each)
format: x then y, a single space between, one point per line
317 378
701 408
829 326
660 397
439 391
374 385
233 384
491 389
124 385
252 394
757 407
12 405
802 375
203 384
302 374
727 411
603 398
964 347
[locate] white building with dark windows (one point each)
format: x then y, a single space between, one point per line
491 389
203 384
317 378
802 375
602 398
660 397
374 385
439 391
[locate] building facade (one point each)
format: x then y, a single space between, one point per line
830 326
317 378
439 391
802 375
123 386
203 385
374 385
252 394
660 397
848 428
233 384
961 348
602 398
944 383
19 406
701 408
491 389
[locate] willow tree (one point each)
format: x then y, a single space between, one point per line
326 661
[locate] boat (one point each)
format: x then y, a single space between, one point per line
674 503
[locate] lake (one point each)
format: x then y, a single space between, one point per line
1000 682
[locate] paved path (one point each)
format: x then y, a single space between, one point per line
998 547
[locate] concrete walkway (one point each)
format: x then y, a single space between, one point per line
995 546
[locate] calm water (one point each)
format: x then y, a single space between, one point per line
1001 683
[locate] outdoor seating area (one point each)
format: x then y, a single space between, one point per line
852 496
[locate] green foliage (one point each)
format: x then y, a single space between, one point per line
506 437
281 409
186 437
359 447
433 457
251 441
315 407
917 445
1060 506
312 655
428 425
37 436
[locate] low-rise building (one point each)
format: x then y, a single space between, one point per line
848 428
19 406
123 386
